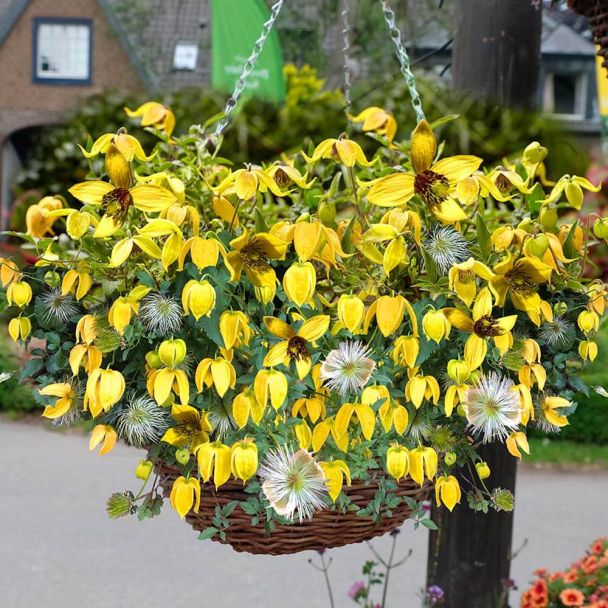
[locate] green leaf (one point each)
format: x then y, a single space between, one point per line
483 237
208 533
429 265
444 120
260 222
347 239
568 243
429 523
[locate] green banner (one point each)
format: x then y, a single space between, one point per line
235 27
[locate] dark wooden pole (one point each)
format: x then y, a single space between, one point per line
496 57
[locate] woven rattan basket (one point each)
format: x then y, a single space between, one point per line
327 529
596 12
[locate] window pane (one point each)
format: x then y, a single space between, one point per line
63 51
564 92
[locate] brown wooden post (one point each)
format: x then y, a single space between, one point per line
496 56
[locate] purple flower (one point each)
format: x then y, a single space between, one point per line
356 589
434 594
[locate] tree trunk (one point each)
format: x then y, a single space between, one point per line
496 57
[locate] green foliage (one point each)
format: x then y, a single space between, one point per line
14 397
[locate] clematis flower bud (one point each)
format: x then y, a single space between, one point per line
436 325
244 459
198 298
185 495
299 282
397 461
423 463
143 470
19 293
351 312
447 491
483 470
172 352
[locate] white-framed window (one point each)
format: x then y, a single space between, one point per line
565 95
62 50
185 56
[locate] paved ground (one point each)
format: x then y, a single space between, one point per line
59 550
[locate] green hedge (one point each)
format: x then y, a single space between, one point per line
14 397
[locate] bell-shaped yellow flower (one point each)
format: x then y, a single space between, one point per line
447 491
351 312
105 433
306 237
217 372
405 351
299 282
312 408
198 298
587 350
66 395
335 471
378 120
39 218
461 279
9 271
343 150
144 469
270 384
19 328
19 293
214 459
434 183
321 432
244 459
303 434
420 387
364 414
86 329
246 183
87 356
128 146
104 388
391 413
588 321
483 470
389 312
548 407
204 252
532 371
235 329
397 461
185 495
436 326
119 315
172 352
73 277
294 345
516 441
192 428
286 174
154 114
572 187
423 463
244 406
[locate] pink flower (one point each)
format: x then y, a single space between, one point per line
356 589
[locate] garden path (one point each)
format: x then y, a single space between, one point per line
58 549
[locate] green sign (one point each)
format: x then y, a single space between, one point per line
235 27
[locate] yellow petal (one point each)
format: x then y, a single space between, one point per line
423 147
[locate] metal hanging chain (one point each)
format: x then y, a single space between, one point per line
346 51
404 59
239 87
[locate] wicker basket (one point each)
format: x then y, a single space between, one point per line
327 529
596 12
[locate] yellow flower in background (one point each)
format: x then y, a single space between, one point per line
433 183
19 293
447 491
270 384
572 187
482 327
293 346
19 328
299 282
423 463
597 297
214 460
397 461
335 471
218 372
244 459
251 252
37 219
66 396
9 271
343 150
106 434
504 236
234 327
198 298
462 278
104 389
246 183
378 120
154 114
548 407
185 495
192 428
516 441
419 388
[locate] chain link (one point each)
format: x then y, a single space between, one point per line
239 87
404 59
346 51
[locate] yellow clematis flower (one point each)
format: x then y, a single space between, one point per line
9 271
461 278
192 428
217 372
286 174
532 371
245 406
105 433
198 298
270 384
343 150
520 280
483 470
312 408
335 471
548 407
234 328
251 252
588 321
419 388
85 355
598 296
395 252
389 312
434 183
154 114
482 327
459 372
86 329
587 350
204 252
116 201
294 345
436 326
572 186
214 460
246 183
127 145
185 495
397 461
351 312
144 469
405 351
447 491
105 388
74 277
37 219
19 328
423 463
244 459
378 120
299 283
19 293
322 431
66 396
119 315
515 441
364 414
162 381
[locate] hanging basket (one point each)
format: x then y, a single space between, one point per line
596 12
328 528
